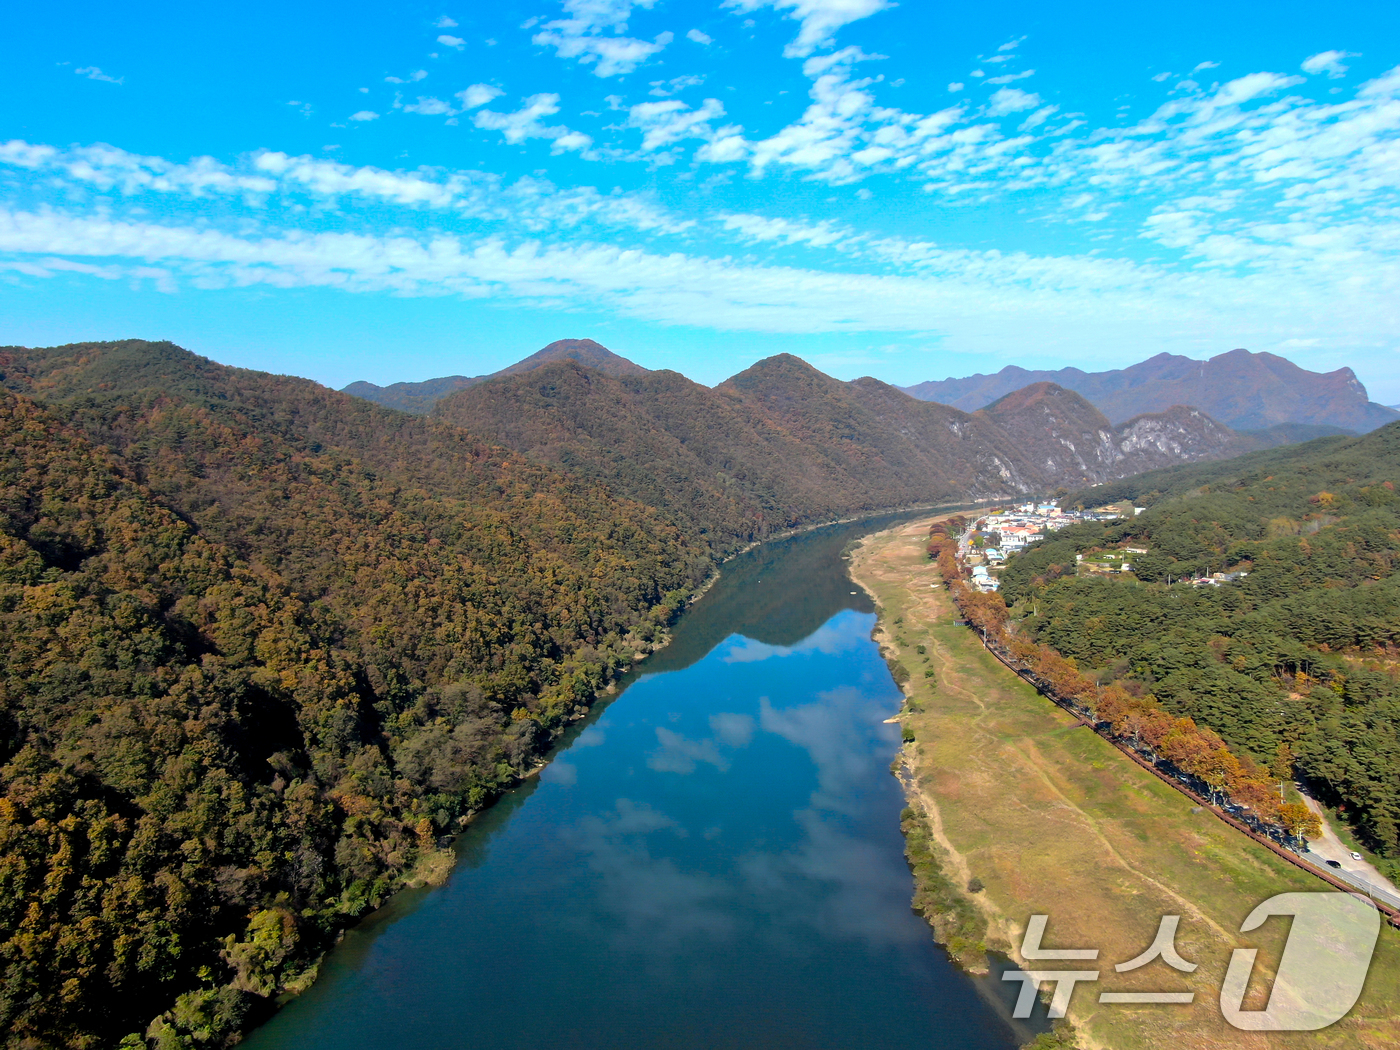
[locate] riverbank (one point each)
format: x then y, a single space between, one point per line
714 862
1047 818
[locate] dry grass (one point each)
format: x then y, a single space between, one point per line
1053 820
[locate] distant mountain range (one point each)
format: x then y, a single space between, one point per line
1243 390
419 398
782 444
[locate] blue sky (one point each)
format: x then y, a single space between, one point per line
911 191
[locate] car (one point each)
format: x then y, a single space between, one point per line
1355 855
1334 864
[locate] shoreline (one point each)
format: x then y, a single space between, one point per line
434 867
994 933
1006 788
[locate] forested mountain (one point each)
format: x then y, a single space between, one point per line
1299 659
420 397
1243 390
262 644
782 444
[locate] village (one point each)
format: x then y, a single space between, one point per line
1002 533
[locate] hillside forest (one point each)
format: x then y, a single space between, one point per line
262 647
265 647
1294 665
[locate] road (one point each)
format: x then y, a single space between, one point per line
1330 847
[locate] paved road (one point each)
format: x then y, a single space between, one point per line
1329 847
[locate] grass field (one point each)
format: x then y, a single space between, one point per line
1053 820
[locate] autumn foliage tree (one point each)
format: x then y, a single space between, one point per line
261 647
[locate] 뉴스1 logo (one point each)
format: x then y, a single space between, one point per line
1319 978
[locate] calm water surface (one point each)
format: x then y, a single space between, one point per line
713 861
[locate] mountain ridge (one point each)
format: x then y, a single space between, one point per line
1244 390
782 444
419 398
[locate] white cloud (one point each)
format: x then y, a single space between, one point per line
582 36
478 95
528 203
673 288
663 123
452 41
430 107
26 155
1254 85
699 37
784 231
105 168
1261 203
328 179
662 88
956 86
94 73
1011 100
1011 45
1038 118
1246 128
1202 66
445 23
1329 62
1011 77
820 19
525 123
365 114
414 77
1299 280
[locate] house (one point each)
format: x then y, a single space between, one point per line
983 580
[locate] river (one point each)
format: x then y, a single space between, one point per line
711 860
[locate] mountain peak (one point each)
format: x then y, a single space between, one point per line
586 352
778 369
1041 394
419 398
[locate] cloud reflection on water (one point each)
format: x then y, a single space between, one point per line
838 875
679 754
733 729
650 892
844 735
829 639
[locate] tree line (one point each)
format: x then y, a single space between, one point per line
1291 669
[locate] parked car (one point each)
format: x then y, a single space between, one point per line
1355 856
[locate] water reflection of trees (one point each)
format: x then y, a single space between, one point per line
778 593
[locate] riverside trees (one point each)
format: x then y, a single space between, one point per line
261 645
1299 658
